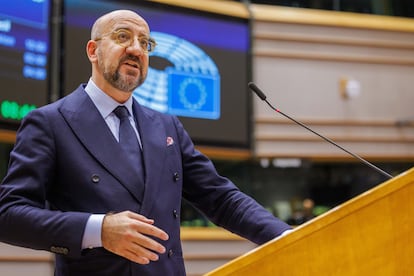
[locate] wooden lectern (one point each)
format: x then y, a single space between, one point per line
371 234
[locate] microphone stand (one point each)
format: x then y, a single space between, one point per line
262 96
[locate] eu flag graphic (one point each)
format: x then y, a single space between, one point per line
193 95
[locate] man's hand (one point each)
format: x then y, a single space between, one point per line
129 235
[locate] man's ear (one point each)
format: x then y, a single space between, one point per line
91 50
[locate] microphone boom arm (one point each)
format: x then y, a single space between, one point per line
262 96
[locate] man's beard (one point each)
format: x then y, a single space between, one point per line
124 83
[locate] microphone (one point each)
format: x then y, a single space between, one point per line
262 96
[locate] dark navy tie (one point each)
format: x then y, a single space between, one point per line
128 140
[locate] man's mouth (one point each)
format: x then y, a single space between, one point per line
132 64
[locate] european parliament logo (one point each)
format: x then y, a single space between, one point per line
190 88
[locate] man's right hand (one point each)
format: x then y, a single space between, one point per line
129 235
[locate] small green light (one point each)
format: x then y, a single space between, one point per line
12 110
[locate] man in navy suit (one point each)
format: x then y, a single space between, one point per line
70 188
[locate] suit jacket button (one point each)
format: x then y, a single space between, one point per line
170 253
176 176
175 213
59 250
95 178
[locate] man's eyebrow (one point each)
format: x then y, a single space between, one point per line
141 34
122 28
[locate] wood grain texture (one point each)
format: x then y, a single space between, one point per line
368 235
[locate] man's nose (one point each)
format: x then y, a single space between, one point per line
135 46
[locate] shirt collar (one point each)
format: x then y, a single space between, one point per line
104 103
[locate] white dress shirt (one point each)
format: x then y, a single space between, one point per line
105 106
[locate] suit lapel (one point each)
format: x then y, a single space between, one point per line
153 138
90 128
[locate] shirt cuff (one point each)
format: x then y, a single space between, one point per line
92 234
286 232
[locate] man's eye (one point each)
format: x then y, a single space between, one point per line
123 36
144 43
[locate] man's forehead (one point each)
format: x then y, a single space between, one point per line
133 24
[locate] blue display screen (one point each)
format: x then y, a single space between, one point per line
32 13
199 70
24 57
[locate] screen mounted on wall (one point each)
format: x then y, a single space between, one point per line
199 70
24 58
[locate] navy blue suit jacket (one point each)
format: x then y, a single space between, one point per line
66 164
